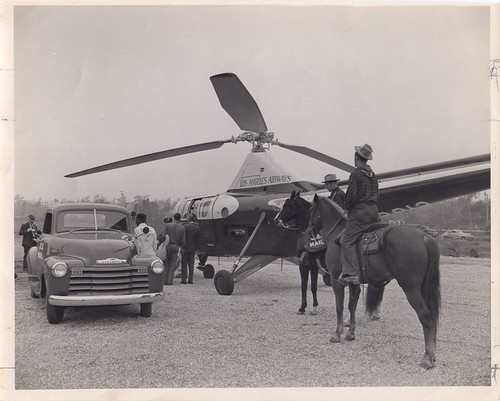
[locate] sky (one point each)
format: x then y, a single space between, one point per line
97 84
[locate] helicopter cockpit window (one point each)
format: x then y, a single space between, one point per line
205 207
194 206
183 208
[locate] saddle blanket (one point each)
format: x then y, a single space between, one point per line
373 241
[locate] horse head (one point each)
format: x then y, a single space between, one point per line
315 216
293 214
325 213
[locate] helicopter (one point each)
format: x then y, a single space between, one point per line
241 221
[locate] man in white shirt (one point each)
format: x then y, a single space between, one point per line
144 237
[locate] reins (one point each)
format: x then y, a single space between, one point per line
297 228
342 216
333 228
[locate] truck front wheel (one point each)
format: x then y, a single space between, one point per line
54 313
146 309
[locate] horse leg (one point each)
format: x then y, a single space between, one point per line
374 297
339 292
304 278
314 287
417 302
354 291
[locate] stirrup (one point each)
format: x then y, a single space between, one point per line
350 279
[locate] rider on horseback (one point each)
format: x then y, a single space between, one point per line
336 194
361 206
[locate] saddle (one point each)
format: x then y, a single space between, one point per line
370 242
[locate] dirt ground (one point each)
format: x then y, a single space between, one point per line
197 339
254 338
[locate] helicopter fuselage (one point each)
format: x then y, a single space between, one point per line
228 220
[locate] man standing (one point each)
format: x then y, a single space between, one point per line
144 237
336 194
190 247
177 238
361 205
29 231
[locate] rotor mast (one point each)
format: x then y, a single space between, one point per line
261 141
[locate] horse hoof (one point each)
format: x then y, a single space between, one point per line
335 338
314 311
347 323
301 312
350 336
426 363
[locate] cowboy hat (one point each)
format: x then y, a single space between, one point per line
331 177
31 217
364 151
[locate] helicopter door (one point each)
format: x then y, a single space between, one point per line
205 219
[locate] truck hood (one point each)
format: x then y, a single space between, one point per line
93 247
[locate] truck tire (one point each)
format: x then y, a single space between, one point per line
54 313
146 309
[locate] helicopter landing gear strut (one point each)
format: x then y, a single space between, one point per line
224 280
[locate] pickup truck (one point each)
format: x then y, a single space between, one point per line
85 256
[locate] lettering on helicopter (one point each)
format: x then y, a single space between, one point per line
259 181
407 207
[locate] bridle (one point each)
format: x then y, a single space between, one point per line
333 228
281 223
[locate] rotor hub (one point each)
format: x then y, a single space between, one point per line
259 140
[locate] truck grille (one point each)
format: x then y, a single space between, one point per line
104 280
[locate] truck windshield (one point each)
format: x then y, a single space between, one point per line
92 220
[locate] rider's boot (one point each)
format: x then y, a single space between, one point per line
350 266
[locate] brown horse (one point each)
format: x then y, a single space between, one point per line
410 256
294 215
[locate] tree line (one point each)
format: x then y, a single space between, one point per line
156 210
468 212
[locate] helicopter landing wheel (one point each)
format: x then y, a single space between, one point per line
224 283
208 271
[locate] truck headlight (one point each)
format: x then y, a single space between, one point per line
59 269
157 266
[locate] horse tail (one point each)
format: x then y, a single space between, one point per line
431 288
373 298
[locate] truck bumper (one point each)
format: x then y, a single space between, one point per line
99 300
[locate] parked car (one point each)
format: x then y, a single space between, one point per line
457 234
428 230
85 257
425 229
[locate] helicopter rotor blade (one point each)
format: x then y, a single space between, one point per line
238 103
151 157
318 156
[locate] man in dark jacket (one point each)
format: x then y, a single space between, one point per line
30 232
336 194
361 205
190 247
177 238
